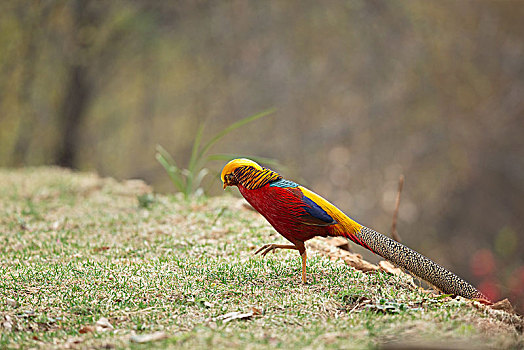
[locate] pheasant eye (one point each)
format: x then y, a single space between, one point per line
229 178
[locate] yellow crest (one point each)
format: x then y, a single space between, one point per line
230 167
248 173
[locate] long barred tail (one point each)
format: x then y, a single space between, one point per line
417 264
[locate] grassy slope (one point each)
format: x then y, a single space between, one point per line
76 248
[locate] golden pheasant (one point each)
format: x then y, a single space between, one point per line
299 214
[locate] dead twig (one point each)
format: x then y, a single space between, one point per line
394 233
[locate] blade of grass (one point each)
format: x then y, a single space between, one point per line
168 163
232 127
166 155
200 176
173 175
194 160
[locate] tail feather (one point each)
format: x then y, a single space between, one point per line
417 264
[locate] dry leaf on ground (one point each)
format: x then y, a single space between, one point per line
8 324
236 315
103 325
504 305
86 329
339 242
11 302
388 267
256 312
146 338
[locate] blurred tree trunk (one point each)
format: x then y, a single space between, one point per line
71 115
77 90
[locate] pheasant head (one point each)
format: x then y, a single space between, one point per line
247 173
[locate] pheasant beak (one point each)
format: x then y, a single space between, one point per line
225 185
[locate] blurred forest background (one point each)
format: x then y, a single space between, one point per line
364 91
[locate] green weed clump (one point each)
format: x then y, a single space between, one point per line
188 180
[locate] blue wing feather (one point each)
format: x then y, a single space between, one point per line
314 213
317 212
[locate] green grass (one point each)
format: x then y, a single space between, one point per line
76 248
